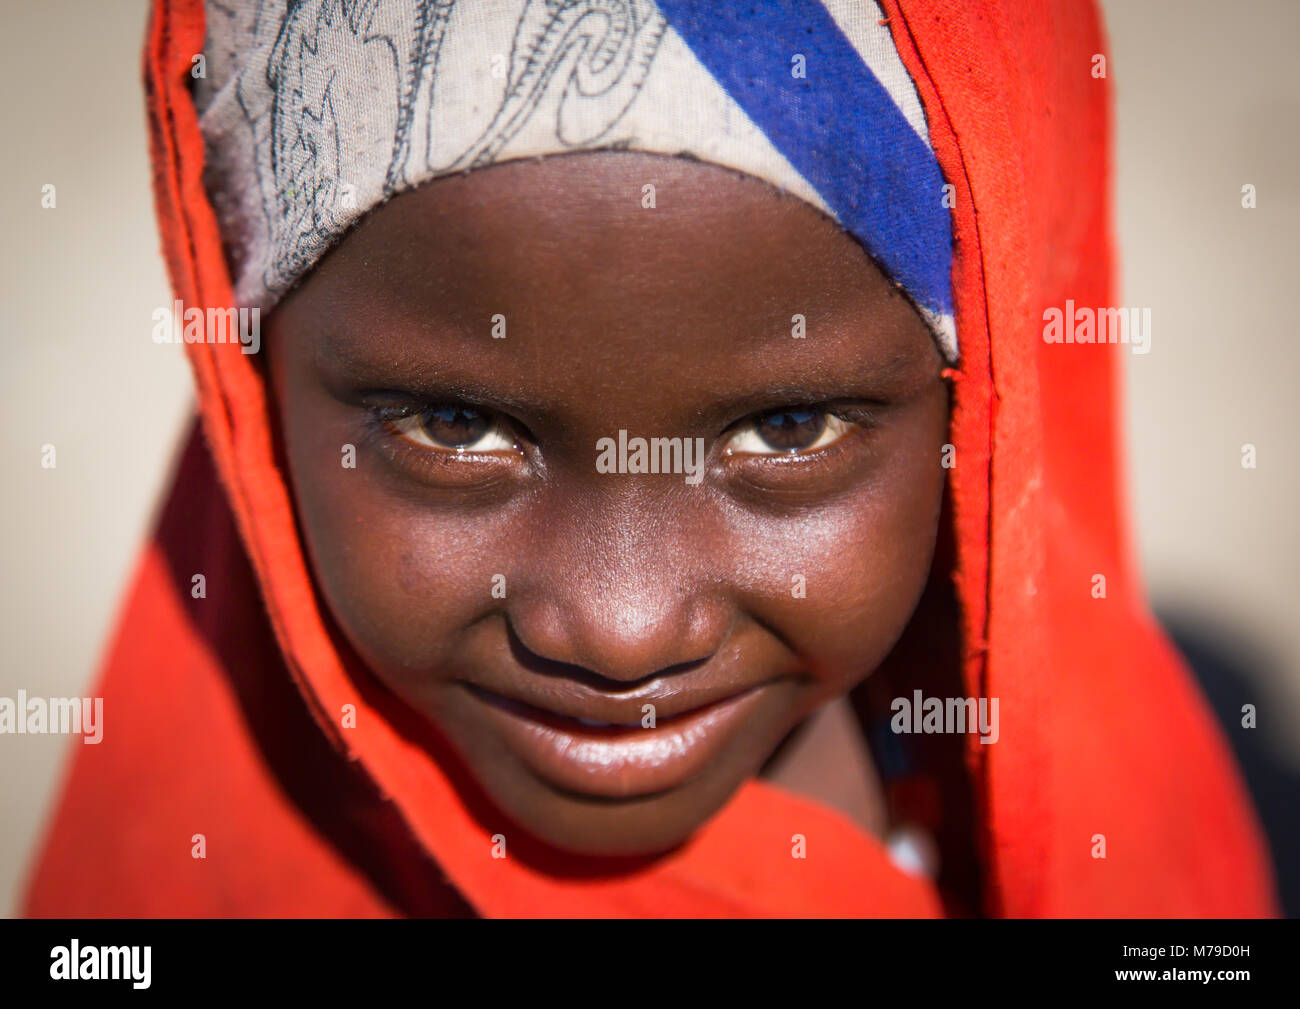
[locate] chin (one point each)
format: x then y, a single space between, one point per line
599 827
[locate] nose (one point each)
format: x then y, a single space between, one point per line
626 604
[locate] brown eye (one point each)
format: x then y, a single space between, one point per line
790 430
454 426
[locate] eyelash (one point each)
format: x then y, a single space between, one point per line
858 419
497 425
385 418
440 466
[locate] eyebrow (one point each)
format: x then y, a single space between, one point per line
880 380
449 366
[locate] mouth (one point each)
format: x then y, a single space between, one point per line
609 760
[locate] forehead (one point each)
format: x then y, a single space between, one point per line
608 267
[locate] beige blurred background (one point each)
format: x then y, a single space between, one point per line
1208 100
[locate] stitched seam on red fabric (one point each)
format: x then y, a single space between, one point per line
972 651
225 421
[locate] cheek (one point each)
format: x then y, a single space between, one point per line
400 578
403 581
401 585
841 583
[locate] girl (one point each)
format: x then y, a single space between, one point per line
445 663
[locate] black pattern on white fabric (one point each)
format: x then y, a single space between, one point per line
581 61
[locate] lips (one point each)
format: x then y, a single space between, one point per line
592 757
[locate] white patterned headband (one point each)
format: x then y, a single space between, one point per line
315 111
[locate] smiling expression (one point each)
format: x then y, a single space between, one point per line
475 339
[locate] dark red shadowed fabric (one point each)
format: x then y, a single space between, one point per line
222 714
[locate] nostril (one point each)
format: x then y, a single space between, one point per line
608 679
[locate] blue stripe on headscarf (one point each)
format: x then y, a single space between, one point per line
837 126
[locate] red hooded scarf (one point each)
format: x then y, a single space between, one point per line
223 708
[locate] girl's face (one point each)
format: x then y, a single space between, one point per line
612 650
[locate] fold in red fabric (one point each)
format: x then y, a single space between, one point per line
221 706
